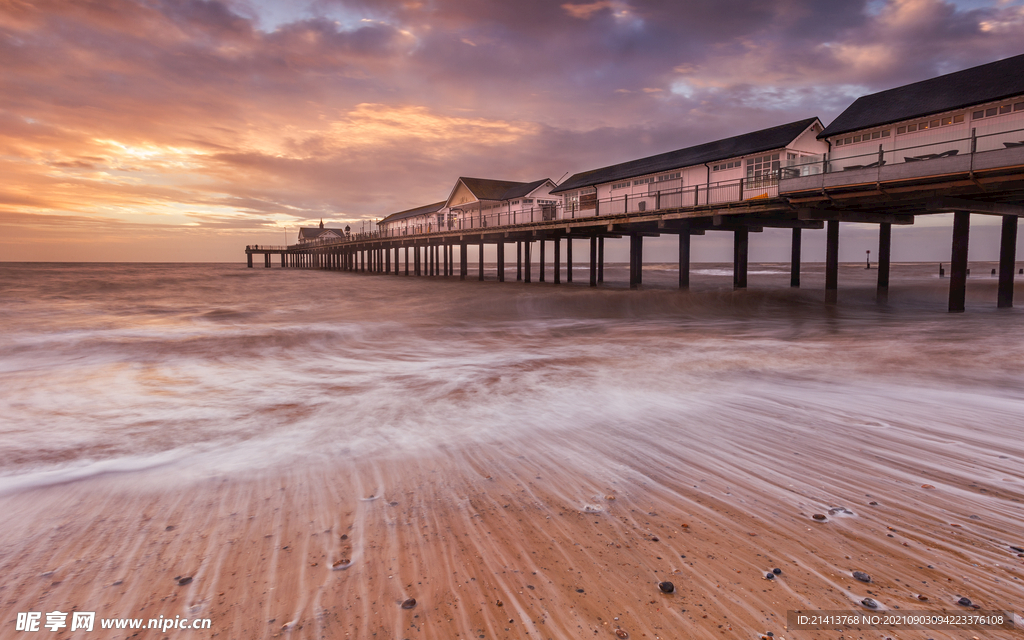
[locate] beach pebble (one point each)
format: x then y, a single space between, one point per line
927 486
579 591
186 580
344 536
777 572
820 517
863 577
667 587
964 602
609 497
654 539
873 503
344 563
499 603
769 576
1017 549
621 633
409 604
869 603
923 598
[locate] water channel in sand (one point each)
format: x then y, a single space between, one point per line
525 461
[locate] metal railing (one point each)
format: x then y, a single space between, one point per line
933 150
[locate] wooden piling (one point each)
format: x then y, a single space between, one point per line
600 259
480 276
684 256
832 261
740 246
794 264
958 261
501 261
568 260
593 261
519 260
540 274
526 261
1007 259
636 260
884 258
558 259
248 257
463 260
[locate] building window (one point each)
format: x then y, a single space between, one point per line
1019 106
997 111
669 176
527 200
941 122
761 166
726 165
640 181
620 185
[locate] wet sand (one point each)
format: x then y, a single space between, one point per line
560 537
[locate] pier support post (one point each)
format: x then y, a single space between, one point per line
266 260
568 260
593 261
248 258
794 264
463 260
1007 259
406 260
445 251
387 261
416 260
600 260
282 260
831 261
684 256
526 261
958 261
884 255
519 260
501 261
636 260
740 245
480 276
540 274
558 259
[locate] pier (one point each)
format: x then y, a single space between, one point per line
951 144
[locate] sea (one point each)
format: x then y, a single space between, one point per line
217 369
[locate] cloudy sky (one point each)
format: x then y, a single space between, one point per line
179 130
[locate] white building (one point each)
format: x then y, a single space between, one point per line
477 202
740 168
425 219
979 109
313 234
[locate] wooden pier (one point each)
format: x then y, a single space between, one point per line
802 203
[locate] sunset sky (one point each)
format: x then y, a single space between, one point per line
181 130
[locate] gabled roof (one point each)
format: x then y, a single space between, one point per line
412 213
987 83
315 232
524 189
746 144
496 190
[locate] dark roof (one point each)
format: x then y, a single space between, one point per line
989 82
314 232
410 213
485 189
522 190
763 140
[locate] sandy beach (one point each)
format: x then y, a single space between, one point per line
539 481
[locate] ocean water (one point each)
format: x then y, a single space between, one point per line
209 369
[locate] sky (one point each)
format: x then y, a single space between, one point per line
182 130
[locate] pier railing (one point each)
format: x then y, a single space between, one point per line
953 152
675 197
